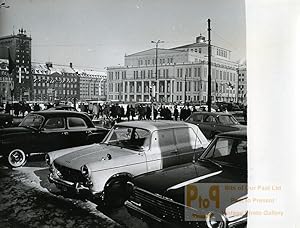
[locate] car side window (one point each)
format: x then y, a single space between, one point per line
197 117
76 122
222 148
210 119
186 137
54 123
163 139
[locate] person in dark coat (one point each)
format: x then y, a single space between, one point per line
7 107
194 109
148 112
175 113
127 114
36 107
155 113
132 112
168 114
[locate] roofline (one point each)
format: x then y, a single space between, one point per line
166 49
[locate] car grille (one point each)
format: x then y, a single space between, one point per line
159 206
68 174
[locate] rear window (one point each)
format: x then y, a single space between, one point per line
197 117
76 122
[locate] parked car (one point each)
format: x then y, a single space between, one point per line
212 123
44 131
6 120
160 196
234 215
131 148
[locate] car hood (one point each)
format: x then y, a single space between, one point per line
14 130
171 182
93 153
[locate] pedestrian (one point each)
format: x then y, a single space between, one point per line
175 113
23 108
148 113
132 112
168 114
7 107
127 114
194 109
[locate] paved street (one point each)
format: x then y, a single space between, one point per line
29 200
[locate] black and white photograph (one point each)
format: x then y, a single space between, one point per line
140 113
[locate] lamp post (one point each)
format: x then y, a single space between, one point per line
156 82
209 68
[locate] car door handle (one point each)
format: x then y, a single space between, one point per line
174 152
65 133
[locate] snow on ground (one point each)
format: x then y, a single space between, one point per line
28 200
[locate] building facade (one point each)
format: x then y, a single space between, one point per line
92 85
242 83
55 83
181 75
19 52
52 82
6 82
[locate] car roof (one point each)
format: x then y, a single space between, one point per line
213 113
48 113
235 134
154 124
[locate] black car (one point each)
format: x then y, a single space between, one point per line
212 123
44 131
6 120
160 196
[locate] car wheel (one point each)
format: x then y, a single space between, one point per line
16 158
115 193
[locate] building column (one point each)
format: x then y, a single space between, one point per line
135 90
143 92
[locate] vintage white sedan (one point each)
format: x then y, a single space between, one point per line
100 171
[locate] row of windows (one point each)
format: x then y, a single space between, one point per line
64 92
161 61
71 86
221 52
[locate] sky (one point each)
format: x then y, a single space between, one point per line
94 34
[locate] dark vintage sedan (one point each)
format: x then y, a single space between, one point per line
162 196
44 131
212 123
6 120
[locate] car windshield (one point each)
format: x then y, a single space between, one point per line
32 121
128 137
227 120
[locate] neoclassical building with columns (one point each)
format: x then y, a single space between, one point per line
181 75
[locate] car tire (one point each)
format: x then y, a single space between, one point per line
115 193
16 158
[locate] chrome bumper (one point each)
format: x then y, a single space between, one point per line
78 187
134 207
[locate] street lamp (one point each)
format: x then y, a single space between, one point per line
209 67
156 82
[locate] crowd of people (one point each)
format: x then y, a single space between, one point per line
139 112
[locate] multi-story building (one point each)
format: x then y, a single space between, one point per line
52 82
242 83
55 83
181 75
19 49
92 84
6 82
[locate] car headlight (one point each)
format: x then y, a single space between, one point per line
216 220
48 159
85 171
